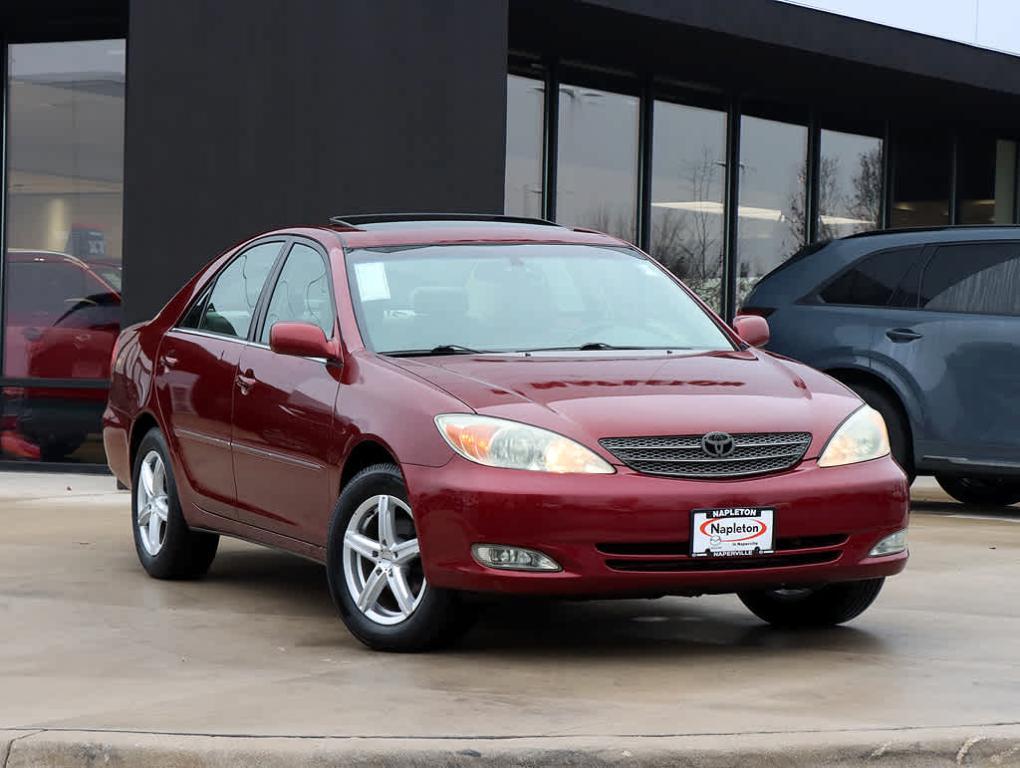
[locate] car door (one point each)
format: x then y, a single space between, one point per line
196 370
284 406
968 324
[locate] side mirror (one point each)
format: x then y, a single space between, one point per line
302 340
753 329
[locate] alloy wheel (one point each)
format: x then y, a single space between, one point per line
382 560
152 503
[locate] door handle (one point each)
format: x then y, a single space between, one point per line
245 381
901 335
169 361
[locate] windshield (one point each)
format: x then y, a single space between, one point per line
450 299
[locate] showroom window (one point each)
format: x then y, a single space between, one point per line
986 180
771 216
524 146
850 184
61 287
688 184
922 179
597 164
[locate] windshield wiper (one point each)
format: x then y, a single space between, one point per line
593 346
442 349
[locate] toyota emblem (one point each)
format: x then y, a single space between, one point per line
718 445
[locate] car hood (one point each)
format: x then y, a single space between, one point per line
592 396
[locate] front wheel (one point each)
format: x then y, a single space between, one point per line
813 607
982 491
375 572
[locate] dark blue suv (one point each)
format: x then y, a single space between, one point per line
924 325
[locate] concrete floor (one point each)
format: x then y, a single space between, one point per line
89 642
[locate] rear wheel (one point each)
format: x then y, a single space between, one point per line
375 572
167 548
982 491
895 422
815 606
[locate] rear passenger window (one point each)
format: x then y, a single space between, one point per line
873 281
976 278
231 305
194 314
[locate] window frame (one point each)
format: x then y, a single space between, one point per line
210 285
259 319
930 256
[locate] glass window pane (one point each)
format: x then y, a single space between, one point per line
973 278
64 217
597 174
771 226
233 299
849 184
986 180
525 110
301 294
43 423
688 183
921 179
60 308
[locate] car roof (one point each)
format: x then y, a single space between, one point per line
925 235
28 254
394 229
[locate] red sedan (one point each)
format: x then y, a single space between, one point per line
440 406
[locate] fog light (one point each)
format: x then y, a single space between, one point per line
890 545
513 558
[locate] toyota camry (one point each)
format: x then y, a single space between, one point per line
440 408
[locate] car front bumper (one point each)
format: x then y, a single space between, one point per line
628 534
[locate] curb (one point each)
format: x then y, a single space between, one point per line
995 745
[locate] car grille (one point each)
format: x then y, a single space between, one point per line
708 564
674 556
757 453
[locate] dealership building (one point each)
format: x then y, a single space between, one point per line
143 137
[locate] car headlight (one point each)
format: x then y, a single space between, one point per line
512 445
862 437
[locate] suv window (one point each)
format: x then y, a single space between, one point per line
302 293
873 280
232 302
978 278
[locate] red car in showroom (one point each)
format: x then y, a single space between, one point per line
441 406
62 321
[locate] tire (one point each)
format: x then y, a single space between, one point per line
428 617
895 422
168 549
819 607
982 491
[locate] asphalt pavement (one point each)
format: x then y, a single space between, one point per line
97 660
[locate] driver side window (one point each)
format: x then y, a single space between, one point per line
302 293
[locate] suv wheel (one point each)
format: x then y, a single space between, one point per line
166 546
982 491
375 572
813 606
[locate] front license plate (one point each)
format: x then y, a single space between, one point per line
732 532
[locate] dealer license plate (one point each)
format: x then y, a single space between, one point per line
733 532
